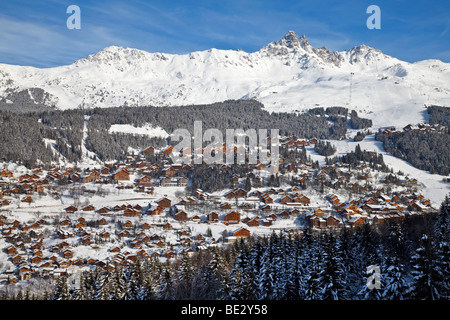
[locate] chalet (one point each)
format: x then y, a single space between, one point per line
319 212
225 206
212 217
195 218
115 250
241 233
286 199
36 259
129 212
144 181
27 199
67 254
266 198
148 151
230 195
65 223
80 225
167 151
240 193
168 182
181 182
167 226
302 199
155 210
71 209
417 206
169 171
102 222
357 221
105 235
121 174
91 177
181 216
11 250
145 226
128 224
332 221
104 210
89 208
232 217
164 203
284 214
6 173
247 206
253 223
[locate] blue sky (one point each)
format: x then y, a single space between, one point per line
35 33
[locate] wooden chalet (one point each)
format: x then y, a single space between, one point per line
232 217
241 233
164 203
121 174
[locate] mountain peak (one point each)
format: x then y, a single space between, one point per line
292 41
116 54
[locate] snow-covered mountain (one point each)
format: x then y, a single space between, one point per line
285 75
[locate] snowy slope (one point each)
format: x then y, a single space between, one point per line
285 75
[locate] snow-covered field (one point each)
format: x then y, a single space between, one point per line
148 130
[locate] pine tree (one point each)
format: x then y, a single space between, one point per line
426 274
366 252
394 275
294 272
166 287
119 286
185 277
240 282
442 236
61 290
312 286
331 277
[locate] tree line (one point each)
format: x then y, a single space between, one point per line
24 135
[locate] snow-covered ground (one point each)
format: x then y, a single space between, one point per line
433 186
148 130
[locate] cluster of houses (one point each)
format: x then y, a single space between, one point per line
416 127
79 235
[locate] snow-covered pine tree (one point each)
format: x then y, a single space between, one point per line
240 281
331 276
98 281
265 279
166 287
442 239
394 275
293 283
313 268
279 261
118 288
426 274
366 252
61 291
185 278
345 252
